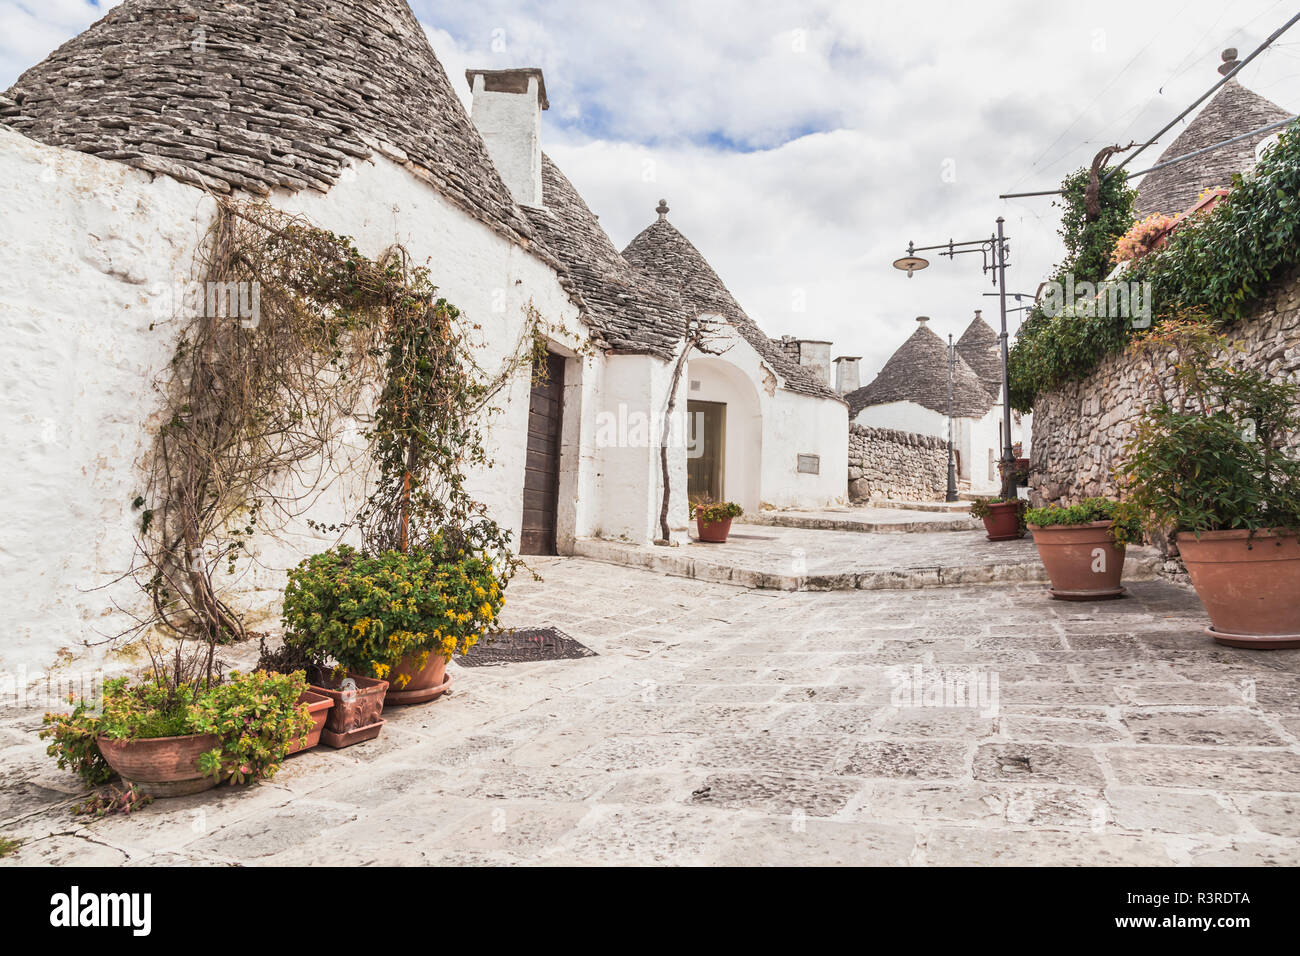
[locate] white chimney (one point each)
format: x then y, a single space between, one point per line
507 109
848 377
815 356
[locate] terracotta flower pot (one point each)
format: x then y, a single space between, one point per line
713 531
424 684
1250 585
1082 560
318 705
1003 521
355 706
161 766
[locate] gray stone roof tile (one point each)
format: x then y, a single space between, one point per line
918 372
980 348
663 252
625 309
262 94
1232 111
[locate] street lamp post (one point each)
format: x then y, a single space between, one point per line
952 465
994 251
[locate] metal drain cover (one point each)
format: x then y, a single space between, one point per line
525 644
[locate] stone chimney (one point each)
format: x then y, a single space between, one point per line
848 376
507 109
815 356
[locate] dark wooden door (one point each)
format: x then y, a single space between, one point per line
542 464
706 447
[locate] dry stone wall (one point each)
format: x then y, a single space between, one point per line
886 463
1080 430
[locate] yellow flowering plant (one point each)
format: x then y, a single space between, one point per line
368 612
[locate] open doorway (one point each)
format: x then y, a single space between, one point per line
706 450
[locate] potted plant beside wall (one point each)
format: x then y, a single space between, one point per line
1212 466
713 519
176 732
1082 546
1004 520
395 617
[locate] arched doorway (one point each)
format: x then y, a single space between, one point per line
724 434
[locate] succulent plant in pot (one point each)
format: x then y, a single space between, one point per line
713 519
1083 546
175 731
1004 519
1215 465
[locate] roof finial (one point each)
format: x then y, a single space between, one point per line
923 319
977 313
1229 61
662 209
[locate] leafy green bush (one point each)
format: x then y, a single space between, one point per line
712 512
1216 457
256 715
982 507
1126 524
368 612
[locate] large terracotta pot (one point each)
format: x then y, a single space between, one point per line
1250 585
713 531
424 684
1003 521
318 705
1082 560
161 766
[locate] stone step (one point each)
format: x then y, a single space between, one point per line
865 521
805 563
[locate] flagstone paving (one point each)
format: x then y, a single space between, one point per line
724 725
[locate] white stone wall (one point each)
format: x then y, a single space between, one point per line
790 424
84 299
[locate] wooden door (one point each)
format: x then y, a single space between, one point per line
705 451
542 463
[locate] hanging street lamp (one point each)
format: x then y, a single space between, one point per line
995 251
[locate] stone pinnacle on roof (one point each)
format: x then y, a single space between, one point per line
662 209
280 94
918 373
1233 111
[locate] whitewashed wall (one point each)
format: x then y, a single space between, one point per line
791 424
92 251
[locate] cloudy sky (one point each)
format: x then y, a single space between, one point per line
801 145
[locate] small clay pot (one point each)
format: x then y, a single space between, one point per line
1003 521
356 705
423 685
1082 560
1249 584
318 705
161 766
713 531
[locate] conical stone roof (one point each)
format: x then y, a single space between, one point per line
979 347
661 251
918 373
260 95
625 309
1232 111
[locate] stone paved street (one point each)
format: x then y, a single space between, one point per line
725 725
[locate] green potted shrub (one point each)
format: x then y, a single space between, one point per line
713 519
171 734
1211 466
1082 546
1004 519
395 617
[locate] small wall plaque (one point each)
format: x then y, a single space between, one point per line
810 464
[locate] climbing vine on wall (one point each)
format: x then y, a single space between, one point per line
263 409
1219 263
